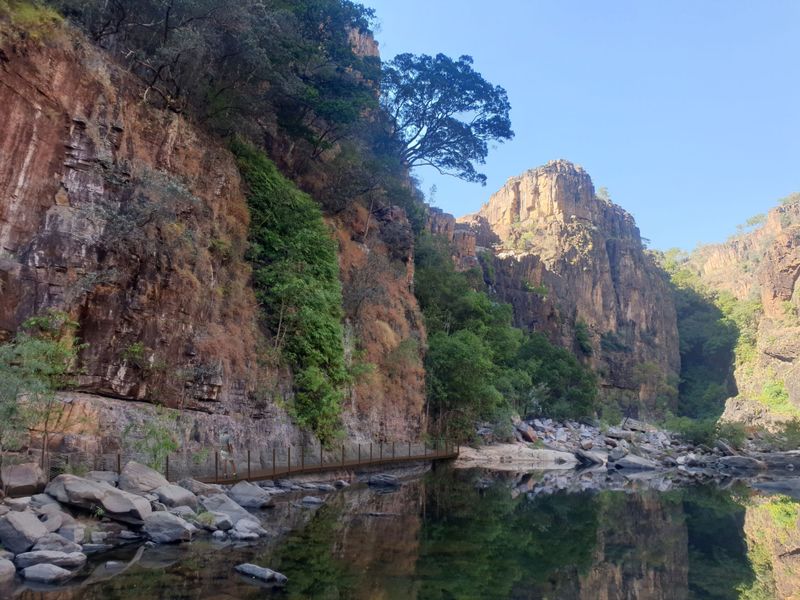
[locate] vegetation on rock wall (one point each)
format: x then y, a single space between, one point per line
716 330
296 279
478 365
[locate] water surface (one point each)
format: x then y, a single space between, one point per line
473 534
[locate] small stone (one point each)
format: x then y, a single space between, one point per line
341 483
312 500
96 548
219 535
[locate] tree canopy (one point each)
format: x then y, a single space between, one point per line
443 113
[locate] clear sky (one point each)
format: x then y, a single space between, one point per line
688 111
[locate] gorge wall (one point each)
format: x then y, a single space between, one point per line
134 222
762 266
573 266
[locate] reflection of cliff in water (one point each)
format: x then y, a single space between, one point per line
472 535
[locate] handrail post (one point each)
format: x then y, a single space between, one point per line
166 467
302 458
393 453
119 463
273 461
342 454
359 455
380 452
216 466
409 449
288 459
320 455
370 452
249 474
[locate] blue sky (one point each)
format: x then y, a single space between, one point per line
688 111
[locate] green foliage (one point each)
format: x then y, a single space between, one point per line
707 431
239 65
539 290
775 396
29 17
478 365
296 279
733 433
716 331
155 437
583 338
39 361
612 342
443 113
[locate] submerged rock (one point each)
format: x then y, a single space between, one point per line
262 573
633 462
223 504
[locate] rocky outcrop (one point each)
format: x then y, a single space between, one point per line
133 221
762 267
567 259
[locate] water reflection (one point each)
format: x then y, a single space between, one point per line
469 534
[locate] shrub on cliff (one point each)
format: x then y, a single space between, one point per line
296 279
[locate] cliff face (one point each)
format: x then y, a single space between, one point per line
762 265
135 223
562 257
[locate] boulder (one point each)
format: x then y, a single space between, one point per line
18 504
526 431
53 521
223 504
312 501
617 453
635 463
74 532
19 531
23 479
44 573
138 478
56 542
109 477
214 521
7 569
620 434
174 495
587 444
184 512
340 483
165 528
198 488
741 463
262 574
71 560
250 495
247 530
117 504
42 500
590 458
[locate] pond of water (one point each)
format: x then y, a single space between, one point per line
479 535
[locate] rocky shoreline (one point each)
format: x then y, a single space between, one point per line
47 537
633 454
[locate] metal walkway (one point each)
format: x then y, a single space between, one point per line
250 473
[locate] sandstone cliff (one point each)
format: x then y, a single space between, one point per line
573 266
134 222
762 265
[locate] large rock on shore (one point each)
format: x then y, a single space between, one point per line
118 504
250 495
635 463
19 531
175 495
44 573
25 479
140 479
221 503
66 560
741 463
165 528
262 573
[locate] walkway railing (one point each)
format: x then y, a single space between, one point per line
213 465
